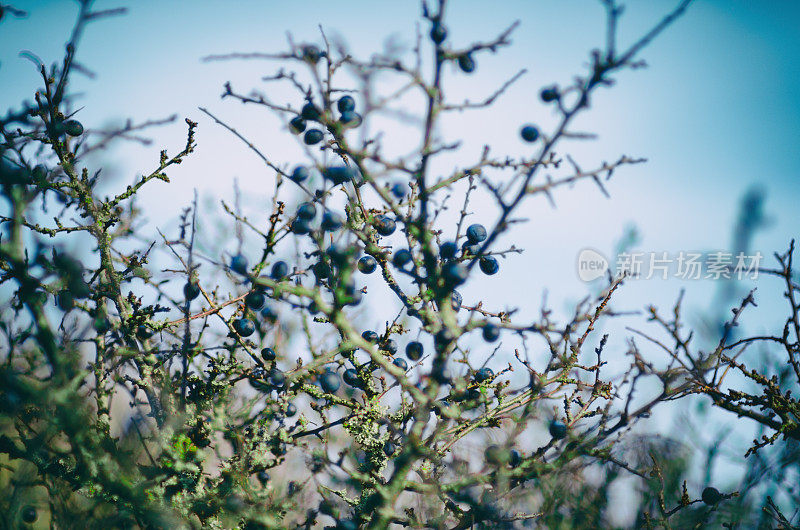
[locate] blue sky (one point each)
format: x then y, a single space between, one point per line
716 112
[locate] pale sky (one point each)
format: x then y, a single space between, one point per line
716 112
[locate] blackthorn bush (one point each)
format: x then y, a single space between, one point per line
170 381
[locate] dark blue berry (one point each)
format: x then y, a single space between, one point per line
470 249
263 477
515 458
329 381
239 264
454 273
711 496
448 250
466 63
244 327
300 174
313 136
484 374
491 332
402 258
350 118
300 226
389 449
489 265
73 127
350 377
191 290
558 429
310 112
346 103
339 253
414 350
307 211
399 189
268 354
370 336
438 33
255 300
338 174
311 53
297 125
331 221
321 270
529 133
280 270
549 94
367 264
400 363
143 332
476 233
384 225
291 410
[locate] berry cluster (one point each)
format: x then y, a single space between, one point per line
336 335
